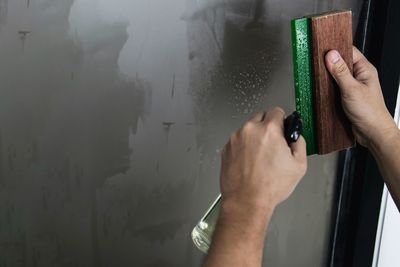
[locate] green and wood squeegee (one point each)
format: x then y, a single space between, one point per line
325 126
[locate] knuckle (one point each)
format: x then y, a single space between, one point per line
370 71
341 69
247 127
259 114
277 109
272 130
374 71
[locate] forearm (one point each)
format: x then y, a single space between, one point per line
253 182
239 236
386 150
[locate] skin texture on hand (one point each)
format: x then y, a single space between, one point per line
258 171
258 166
372 123
362 98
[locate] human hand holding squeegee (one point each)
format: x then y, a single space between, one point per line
338 91
259 170
291 129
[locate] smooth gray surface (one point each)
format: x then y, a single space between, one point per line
112 116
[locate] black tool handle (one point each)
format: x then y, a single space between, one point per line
293 125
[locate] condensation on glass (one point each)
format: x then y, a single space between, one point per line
112 117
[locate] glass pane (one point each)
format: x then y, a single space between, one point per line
112 117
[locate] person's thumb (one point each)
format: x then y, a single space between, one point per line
340 71
299 149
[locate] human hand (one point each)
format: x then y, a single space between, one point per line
259 170
362 98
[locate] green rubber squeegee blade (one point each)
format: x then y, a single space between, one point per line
301 47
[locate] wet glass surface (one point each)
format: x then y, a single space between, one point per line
112 117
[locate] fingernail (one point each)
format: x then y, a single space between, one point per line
333 56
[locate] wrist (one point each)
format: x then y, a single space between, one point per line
384 137
246 213
240 233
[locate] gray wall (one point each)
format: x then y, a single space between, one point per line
112 115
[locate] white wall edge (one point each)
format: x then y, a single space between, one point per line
387 213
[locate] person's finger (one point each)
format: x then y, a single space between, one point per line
340 71
258 117
357 56
275 116
299 149
363 70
